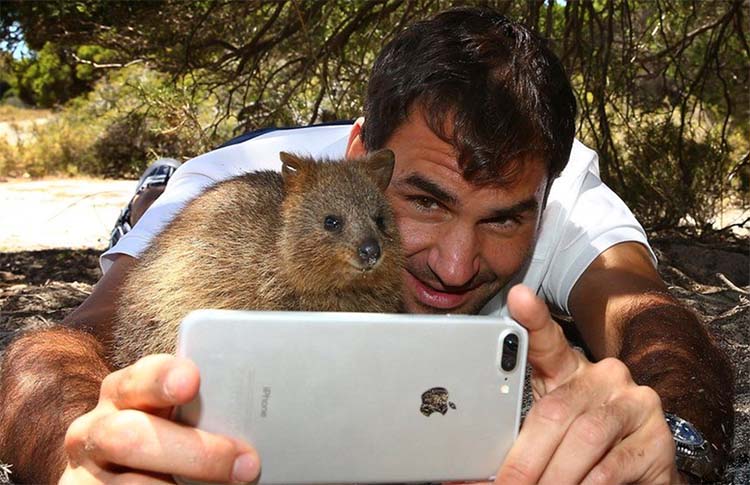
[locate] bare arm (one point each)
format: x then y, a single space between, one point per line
623 310
96 314
50 377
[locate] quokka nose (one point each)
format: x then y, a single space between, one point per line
369 252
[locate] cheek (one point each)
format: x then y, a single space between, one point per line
506 256
415 236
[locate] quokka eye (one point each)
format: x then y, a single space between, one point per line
380 222
332 223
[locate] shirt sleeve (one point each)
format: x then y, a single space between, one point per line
199 173
598 220
184 186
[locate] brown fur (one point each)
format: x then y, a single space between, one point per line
49 378
258 241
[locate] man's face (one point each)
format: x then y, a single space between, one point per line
462 242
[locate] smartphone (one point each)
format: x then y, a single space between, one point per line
359 397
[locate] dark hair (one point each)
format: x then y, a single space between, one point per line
504 90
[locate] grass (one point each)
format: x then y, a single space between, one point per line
12 114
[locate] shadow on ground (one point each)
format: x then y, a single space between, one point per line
38 288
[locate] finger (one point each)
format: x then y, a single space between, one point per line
544 427
542 430
549 353
590 437
138 440
467 483
79 475
154 382
646 456
551 416
96 476
139 479
480 482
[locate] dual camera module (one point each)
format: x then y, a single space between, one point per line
509 357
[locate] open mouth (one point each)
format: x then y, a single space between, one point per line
431 297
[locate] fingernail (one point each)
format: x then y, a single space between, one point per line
244 468
176 379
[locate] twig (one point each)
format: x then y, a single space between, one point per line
5 472
731 285
44 320
105 66
730 226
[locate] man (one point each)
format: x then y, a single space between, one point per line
487 193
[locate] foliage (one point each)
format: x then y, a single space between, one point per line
6 77
661 84
13 115
654 158
132 116
8 157
54 74
663 98
44 79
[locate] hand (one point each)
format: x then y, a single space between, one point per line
590 423
128 437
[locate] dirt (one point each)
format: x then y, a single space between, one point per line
37 288
714 280
60 213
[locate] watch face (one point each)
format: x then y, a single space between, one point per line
683 431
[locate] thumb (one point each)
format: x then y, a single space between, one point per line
550 356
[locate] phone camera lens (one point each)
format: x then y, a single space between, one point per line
510 352
511 342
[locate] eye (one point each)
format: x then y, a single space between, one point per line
504 224
380 222
332 223
424 203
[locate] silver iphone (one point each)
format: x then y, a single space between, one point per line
359 397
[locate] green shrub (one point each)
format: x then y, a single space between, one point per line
8 158
45 79
131 116
668 182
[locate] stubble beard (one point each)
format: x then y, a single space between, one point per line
484 288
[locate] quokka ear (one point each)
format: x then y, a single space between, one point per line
379 165
291 164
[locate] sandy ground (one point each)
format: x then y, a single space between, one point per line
60 213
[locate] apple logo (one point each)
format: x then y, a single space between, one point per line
435 400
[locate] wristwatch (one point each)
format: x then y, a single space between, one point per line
694 455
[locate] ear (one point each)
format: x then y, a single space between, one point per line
379 165
291 164
355 147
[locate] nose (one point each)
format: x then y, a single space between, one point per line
454 258
369 252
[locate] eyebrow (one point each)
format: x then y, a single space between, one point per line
445 197
431 188
528 205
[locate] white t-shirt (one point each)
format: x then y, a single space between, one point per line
583 217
